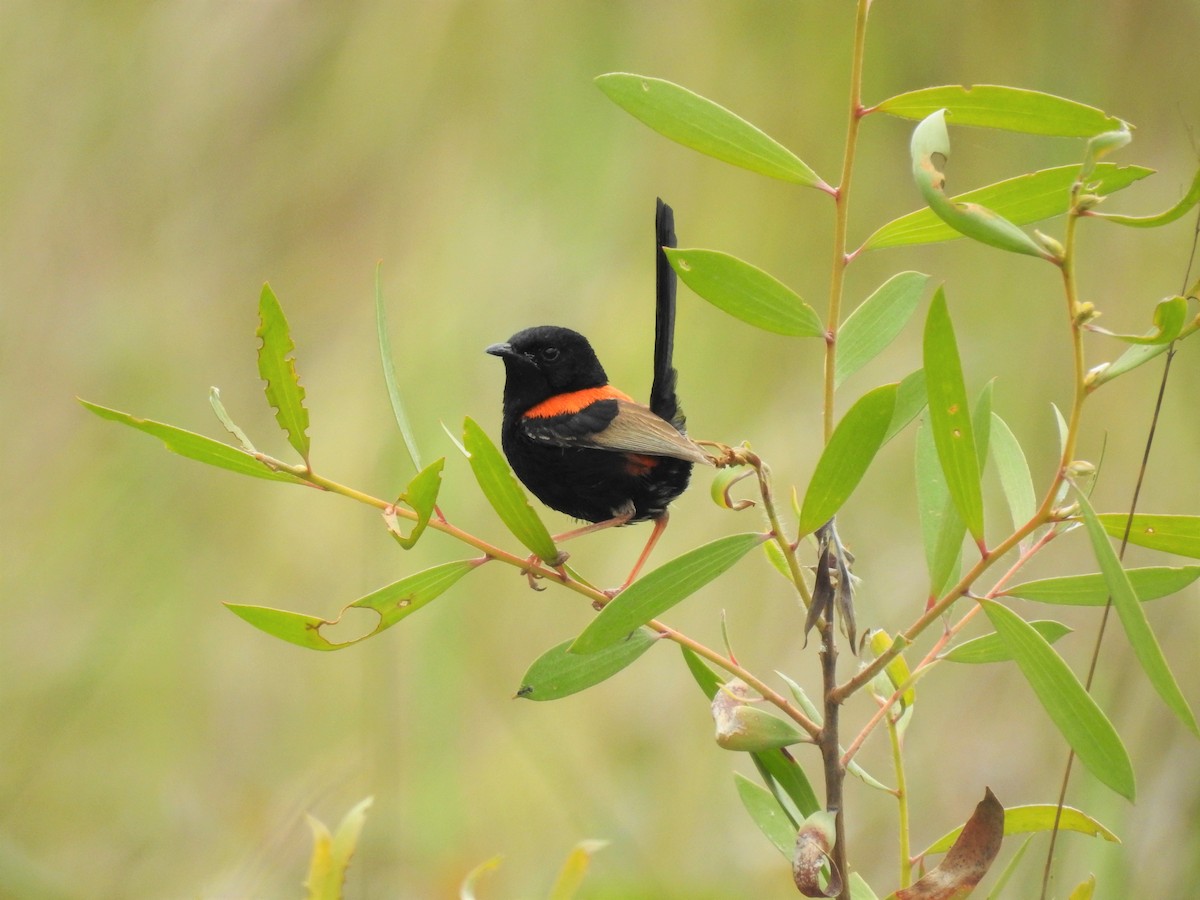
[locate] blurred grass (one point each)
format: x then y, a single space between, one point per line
160 161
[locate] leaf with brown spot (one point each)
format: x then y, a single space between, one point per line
968 860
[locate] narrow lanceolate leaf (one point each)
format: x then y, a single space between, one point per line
1015 479
853 767
767 814
1170 534
559 673
781 770
1092 590
708 680
942 528
214 400
331 853
505 494
389 376
968 859
704 126
949 417
196 446
746 292
570 876
1137 355
846 456
395 602
658 591
1032 819
876 322
991 648
1133 618
910 400
778 768
1009 108
1073 711
1170 316
1085 890
1190 199
278 369
1022 200
930 149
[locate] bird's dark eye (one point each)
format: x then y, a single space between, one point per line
550 354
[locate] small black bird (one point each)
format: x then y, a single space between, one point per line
580 445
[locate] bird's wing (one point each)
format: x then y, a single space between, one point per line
618 425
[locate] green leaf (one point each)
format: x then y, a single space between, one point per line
661 589
559 673
1015 479
570 876
859 889
1133 618
991 647
331 853
698 123
950 417
1085 890
1190 199
1032 819
1170 534
1000 885
767 814
846 456
196 446
278 369
998 106
505 493
745 292
780 769
708 680
389 376
1022 200
942 528
877 322
910 400
1073 711
930 149
214 400
810 709
1092 590
1170 316
421 495
393 603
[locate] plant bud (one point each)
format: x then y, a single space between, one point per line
741 726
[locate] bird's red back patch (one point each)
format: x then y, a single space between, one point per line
573 402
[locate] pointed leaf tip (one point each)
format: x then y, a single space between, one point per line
702 125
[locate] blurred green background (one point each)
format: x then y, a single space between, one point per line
161 160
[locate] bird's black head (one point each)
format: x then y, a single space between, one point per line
544 361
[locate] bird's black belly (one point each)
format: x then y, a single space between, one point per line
595 485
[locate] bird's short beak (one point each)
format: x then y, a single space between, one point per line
501 350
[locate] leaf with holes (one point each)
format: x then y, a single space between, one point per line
278 369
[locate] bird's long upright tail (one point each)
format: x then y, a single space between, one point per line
663 400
